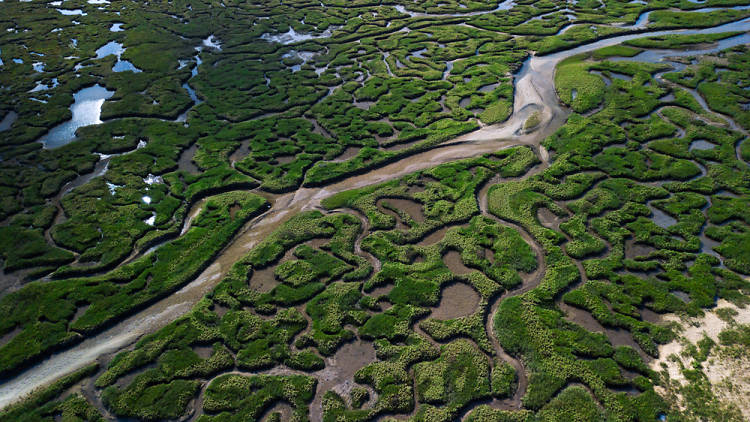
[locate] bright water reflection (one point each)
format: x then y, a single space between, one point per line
116 49
86 109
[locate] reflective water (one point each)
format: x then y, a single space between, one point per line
100 169
112 188
86 110
43 87
701 144
72 12
642 20
419 53
111 48
606 80
191 92
488 88
448 68
114 48
212 42
620 76
305 56
8 120
293 36
151 179
661 218
125 66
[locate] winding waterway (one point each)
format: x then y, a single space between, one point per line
534 90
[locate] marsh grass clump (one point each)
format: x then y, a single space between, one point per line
533 121
245 398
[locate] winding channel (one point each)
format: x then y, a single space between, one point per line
534 90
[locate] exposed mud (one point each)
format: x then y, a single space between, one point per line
79 312
379 291
365 231
12 281
186 162
452 260
233 210
456 300
435 236
634 250
338 375
240 153
285 159
650 316
348 153
410 207
263 280
616 336
192 213
203 352
9 336
548 219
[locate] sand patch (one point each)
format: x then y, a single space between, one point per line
728 375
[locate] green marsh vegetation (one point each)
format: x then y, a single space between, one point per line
607 190
374 266
52 313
